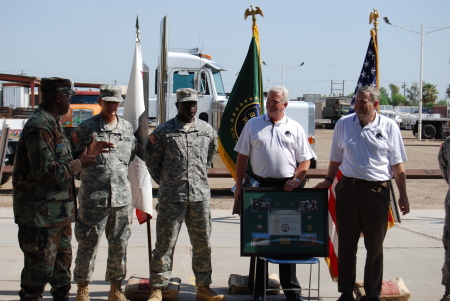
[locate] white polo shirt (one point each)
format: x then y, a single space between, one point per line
274 149
367 153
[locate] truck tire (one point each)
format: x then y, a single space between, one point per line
414 130
428 131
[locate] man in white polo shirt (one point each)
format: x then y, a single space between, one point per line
280 157
368 149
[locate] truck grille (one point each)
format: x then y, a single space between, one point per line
79 115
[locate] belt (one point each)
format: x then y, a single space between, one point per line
361 182
271 180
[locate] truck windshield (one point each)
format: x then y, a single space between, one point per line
182 81
218 83
84 99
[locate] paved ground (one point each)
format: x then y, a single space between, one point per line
413 249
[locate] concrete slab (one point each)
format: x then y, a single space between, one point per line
413 251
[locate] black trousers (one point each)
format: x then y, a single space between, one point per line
288 277
361 208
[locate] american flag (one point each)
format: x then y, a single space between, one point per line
368 75
332 259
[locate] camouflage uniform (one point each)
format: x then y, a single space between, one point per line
104 198
178 160
444 156
44 205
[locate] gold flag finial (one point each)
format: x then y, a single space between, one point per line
374 19
252 11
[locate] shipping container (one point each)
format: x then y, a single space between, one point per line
15 97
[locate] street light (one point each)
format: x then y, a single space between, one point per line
283 68
422 33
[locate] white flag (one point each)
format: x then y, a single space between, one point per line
140 180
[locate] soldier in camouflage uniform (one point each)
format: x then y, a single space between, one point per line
104 195
178 155
444 156
44 194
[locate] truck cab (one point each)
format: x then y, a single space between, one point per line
191 69
83 105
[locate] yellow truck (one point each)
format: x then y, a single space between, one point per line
83 105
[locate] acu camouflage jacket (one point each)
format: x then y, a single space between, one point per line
105 184
178 160
443 158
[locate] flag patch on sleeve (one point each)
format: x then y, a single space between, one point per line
74 137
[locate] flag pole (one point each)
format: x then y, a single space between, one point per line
374 33
394 215
147 217
140 132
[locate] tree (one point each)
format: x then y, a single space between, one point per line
430 93
398 100
384 97
394 89
442 102
447 92
413 94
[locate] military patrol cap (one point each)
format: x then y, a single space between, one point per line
186 94
111 93
57 85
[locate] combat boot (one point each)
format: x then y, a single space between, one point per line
446 296
26 297
156 294
82 291
115 293
205 293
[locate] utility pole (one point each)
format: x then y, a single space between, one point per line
422 34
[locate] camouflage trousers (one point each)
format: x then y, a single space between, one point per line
446 242
89 227
47 259
197 216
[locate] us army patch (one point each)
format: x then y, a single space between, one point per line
152 139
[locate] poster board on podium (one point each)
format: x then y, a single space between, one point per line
287 224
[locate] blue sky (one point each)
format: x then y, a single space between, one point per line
93 41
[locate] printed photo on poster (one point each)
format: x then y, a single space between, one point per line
308 240
308 205
260 204
260 239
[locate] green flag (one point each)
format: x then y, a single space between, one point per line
245 102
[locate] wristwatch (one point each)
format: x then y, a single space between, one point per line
296 180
